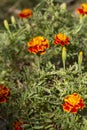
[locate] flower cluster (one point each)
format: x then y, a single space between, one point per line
18 125
37 45
83 9
73 103
25 13
61 39
4 93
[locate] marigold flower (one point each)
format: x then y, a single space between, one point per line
4 93
73 103
38 45
25 13
61 39
83 9
18 125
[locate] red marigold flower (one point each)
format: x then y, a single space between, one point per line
4 93
25 13
83 9
73 103
67 107
18 125
61 39
38 45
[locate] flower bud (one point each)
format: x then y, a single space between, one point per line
6 25
80 58
63 56
63 7
13 21
3 73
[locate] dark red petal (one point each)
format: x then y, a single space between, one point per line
80 11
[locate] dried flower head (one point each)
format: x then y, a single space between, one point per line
61 39
4 93
25 13
73 103
38 45
83 9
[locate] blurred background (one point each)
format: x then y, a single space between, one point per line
12 7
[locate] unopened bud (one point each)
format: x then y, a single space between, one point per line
63 7
3 73
80 58
63 56
13 21
6 25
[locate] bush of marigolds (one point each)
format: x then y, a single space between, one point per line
43 69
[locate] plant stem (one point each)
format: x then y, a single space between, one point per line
38 63
64 65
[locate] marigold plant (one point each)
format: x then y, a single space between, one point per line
4 93
73 103
25 13
83 9
37 45
61 39
39 83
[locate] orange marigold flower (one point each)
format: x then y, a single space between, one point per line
38 45
18 125
61 39
73 103
83 9
4 93
25 13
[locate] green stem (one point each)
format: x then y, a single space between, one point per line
79 66
64 57
64 65
38 63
